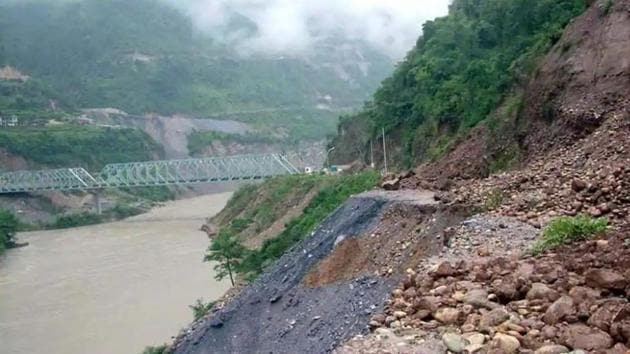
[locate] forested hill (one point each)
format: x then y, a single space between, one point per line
145 56
463 67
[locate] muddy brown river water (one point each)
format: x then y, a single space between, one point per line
108 289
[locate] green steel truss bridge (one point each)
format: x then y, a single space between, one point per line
150 173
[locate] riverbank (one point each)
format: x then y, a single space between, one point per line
91 287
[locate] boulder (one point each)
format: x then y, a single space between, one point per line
493 318
444 269
540 291
619 348
580 336
506 343
431 303
448 315
605 278
391 184
479 298
558 310
454 342
603 317
552 349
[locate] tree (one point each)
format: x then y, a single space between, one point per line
8 228
227 251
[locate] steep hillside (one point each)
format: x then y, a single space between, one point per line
462 68
146 56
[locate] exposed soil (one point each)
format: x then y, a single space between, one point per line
323 291
256 240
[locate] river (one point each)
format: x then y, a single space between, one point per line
111 288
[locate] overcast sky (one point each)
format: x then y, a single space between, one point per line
291 26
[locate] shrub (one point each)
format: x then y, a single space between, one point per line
565 230
325 201
76 220
493 199
201 309
8 226
606 6
163 349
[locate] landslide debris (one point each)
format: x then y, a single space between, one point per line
572 134
572 298
276 313
323 291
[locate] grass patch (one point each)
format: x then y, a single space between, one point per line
200 308
565 230
337 190
76 220
163 349
605 7
493 199
74 146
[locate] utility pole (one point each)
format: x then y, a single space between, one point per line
384 150
372 153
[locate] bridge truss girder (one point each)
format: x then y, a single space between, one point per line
151 173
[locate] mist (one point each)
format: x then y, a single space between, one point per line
293 27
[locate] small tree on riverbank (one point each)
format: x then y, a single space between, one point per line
8 227
227 251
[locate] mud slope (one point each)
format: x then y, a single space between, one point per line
279 313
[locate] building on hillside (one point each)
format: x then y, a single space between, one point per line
13 121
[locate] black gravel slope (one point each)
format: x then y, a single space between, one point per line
276 314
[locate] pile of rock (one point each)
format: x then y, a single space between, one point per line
591 177
574 299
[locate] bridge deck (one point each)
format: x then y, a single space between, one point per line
149 173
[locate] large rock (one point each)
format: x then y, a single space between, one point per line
444 269
552 349
431 303
506 343
479 298
605 278
540 291
448 315
493 318
580 336
391 184
558 310
508 288
454 342
603 317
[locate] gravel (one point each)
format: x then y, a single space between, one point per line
277 314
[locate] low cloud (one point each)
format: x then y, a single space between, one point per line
292 27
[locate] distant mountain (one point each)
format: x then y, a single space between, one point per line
145 56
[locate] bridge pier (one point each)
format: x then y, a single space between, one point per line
97 202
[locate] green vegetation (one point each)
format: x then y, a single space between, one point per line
200 309
118 212
254 208
606 6
335 191
198 141
163 349
493 199
227 251
76 220
565 230
8 227
71 146
461 69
